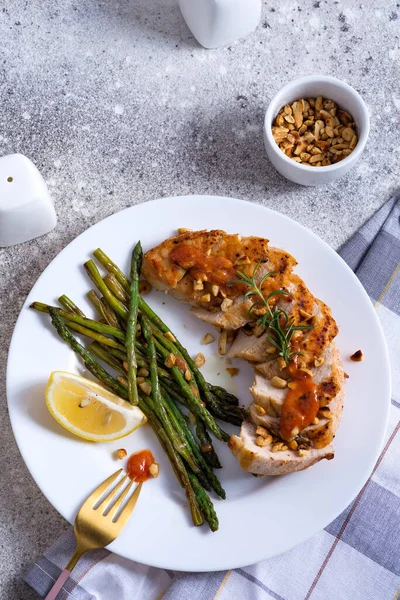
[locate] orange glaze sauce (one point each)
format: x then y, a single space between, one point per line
301 404
138 466
214 269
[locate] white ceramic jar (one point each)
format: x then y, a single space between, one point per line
26 209
216 23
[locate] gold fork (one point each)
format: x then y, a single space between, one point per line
95 528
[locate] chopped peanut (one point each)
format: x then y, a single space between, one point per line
145 387
198 286
207 339
121 453
278 382
170 336
154 469
222 343
281 363
313 128
205 298
226 304
357 356
271 350
279 447
324 412
233 371
199 360
142 372
262 441
308 371
170 360
261 431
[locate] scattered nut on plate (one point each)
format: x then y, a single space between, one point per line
356 357
315 132
121 453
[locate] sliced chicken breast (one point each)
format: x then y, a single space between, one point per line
201 268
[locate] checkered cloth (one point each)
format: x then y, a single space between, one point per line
357 557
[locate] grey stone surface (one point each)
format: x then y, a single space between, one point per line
117 104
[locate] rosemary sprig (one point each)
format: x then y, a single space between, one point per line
275 320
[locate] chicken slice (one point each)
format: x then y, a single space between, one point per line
313 342
328 377
261 461
271 400
251 348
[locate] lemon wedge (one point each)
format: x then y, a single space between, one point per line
88 410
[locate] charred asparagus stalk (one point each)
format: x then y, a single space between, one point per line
130 338
178 441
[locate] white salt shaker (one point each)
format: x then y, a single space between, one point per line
26 209
216 23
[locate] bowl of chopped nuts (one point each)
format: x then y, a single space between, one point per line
315 129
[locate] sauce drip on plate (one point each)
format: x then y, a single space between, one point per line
301 404
139 464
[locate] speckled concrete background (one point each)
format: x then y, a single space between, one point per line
117 104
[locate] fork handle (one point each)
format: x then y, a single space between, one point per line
79 551
53 593
65 573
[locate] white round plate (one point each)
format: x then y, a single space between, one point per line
260 517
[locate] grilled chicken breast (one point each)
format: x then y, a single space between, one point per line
201 268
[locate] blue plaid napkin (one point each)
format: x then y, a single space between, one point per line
357 557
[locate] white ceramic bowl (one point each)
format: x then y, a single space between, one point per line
310 87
